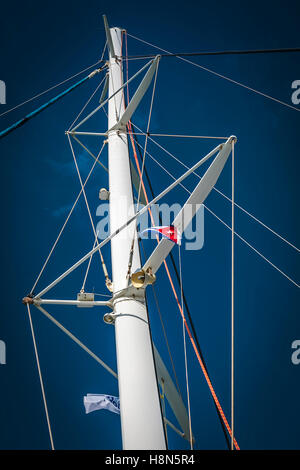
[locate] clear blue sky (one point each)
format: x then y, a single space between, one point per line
43 45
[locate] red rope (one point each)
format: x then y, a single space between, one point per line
211 388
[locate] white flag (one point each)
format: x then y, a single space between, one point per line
93 402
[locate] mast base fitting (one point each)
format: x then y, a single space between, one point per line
109 318
142 278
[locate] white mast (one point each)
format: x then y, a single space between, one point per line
141 417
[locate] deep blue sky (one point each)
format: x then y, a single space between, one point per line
43 45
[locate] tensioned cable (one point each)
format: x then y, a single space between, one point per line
220 75
148 127
178 279
185 354
235 233
89 152
232 293
87 269
254 249
224 195
52 88
40 377
89 212
88 101
230 52
66 221
150 212
196 346
77 341
143 164
163 326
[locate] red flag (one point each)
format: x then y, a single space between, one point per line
168 231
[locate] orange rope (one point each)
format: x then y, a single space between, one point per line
170 278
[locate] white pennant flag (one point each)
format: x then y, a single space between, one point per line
93 402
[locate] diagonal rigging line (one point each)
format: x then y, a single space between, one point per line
198 353
88 101
51 88
40 377
86 349
89 152
130 221
143 164
102 55
89 211
224 195
67 219
88 268
76 340
111 96
239 236
163 325
220 75
178 279
254 249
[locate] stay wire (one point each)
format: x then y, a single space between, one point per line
183 294
185 353
220 75
40 377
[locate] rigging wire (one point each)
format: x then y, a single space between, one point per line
185 354
232 293
143 164
236 234
66 221
203 366
178 280
216 53
40 377
51 88
224 195
130 127
228 198
163 325
88 101
107 280
219 75
87 269
76 340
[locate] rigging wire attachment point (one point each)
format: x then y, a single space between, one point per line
28 300
141 278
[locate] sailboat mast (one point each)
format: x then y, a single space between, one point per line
141 418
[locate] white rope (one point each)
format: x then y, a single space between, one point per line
66 221
224 223
185 354
222 194
232 295
40 377
77 341
219 75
